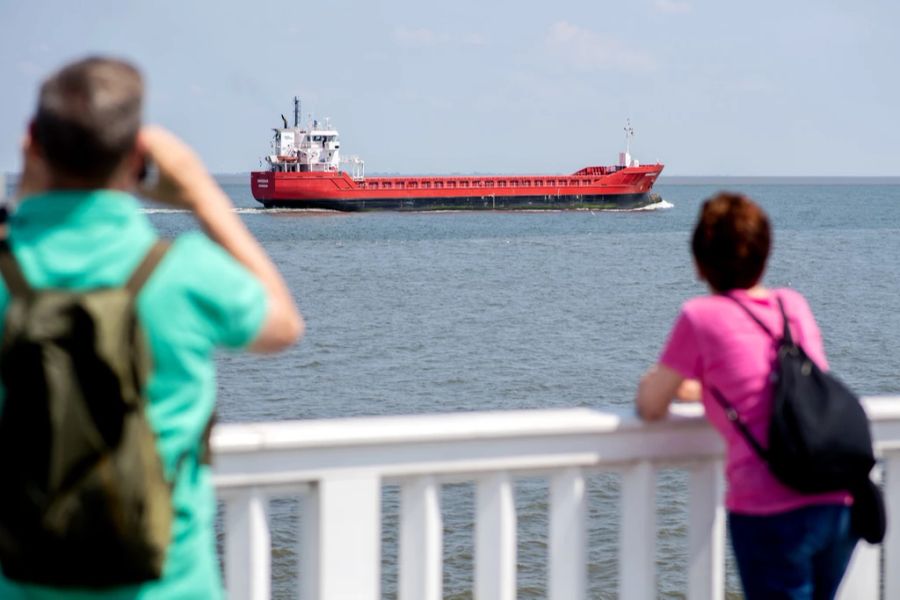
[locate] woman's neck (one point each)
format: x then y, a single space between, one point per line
757 291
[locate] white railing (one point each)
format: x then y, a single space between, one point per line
338 468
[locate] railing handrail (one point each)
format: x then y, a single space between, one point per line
392 446
229 438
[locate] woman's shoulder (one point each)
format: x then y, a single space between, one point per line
703 313
788 294
700 305
792 299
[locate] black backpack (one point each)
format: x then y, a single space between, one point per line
84 499
819 438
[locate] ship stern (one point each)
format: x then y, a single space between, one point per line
262 186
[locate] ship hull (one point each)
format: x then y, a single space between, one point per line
596 202
595 188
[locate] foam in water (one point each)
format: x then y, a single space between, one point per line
163 211
661 205
241 210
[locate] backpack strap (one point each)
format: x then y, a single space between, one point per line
143 271
785 336
206 440
730 412
18 285
12 273
753 316
732 415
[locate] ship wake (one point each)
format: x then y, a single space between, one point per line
661 205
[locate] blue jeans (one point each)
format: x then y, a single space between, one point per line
796 555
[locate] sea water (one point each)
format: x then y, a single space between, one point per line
459 311
435 312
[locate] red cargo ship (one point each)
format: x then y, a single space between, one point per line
305 172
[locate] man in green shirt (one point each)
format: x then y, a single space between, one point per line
78 226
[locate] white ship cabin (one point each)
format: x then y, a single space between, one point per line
316 148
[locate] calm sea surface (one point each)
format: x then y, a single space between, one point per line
436 312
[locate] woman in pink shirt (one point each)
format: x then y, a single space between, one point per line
787 544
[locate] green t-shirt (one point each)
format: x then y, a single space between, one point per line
198 298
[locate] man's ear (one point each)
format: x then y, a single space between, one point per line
29 146
35 178
136 162
129 171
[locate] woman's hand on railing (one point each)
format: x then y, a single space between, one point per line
690 390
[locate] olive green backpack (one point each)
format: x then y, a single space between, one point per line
84 500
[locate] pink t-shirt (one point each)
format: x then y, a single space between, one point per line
715 341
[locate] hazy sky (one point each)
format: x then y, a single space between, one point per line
796 87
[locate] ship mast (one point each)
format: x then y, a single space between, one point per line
629 133
296 111
625 157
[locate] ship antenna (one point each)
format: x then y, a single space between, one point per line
629 133
296 111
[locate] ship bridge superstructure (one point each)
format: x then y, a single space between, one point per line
313 148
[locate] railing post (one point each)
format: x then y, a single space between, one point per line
349 544
568 536
495 539
891 470
706 532
308 569
247 546
421 545
861 581
637 543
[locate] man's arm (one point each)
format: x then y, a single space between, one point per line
184 182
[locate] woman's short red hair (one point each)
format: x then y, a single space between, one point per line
731 242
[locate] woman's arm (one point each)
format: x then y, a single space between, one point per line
658 387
